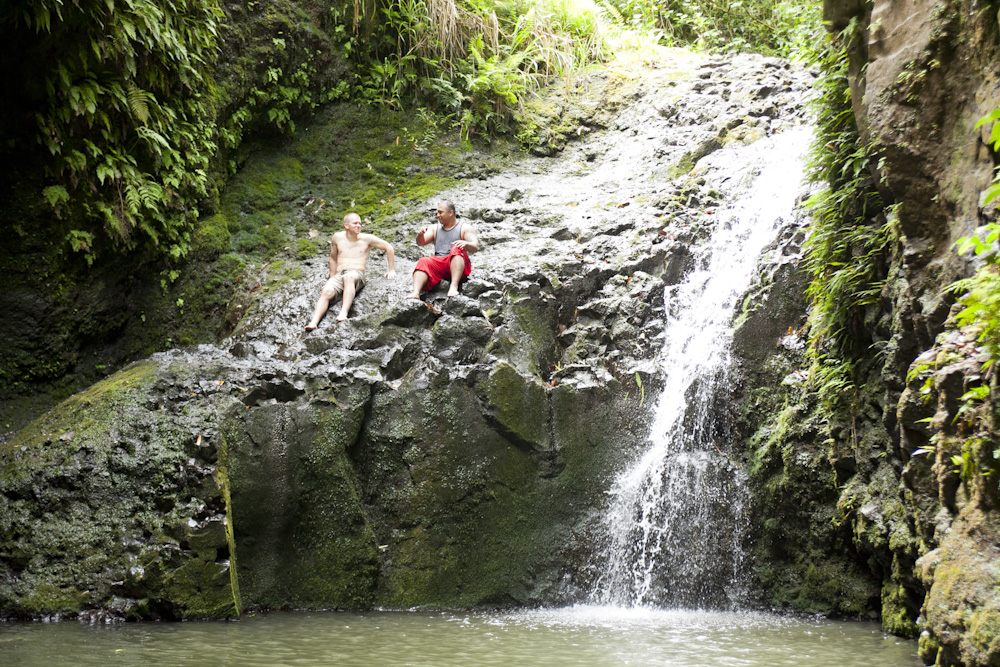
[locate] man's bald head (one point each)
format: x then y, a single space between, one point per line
352 223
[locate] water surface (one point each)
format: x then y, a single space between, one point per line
594 636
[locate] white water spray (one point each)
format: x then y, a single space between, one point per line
677 519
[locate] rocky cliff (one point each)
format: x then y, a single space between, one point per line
900 472
458 452
445 452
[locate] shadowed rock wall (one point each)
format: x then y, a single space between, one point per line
931 74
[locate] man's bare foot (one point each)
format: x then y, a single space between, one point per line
310 327
341 318
452 292
413 296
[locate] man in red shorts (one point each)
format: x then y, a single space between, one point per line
453 242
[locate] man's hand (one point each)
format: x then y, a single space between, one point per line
460 243
390 274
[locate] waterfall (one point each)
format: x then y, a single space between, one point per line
677 517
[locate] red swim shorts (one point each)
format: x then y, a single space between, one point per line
439 268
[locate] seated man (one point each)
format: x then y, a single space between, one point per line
348 258
453 242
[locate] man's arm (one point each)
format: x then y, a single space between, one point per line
390 255
426 234
469 240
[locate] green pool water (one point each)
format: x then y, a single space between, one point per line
594 636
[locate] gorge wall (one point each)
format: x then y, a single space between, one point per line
449 453
903 473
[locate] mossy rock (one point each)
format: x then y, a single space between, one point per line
100 497
962 609
519 405
302 534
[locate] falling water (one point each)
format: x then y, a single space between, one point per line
677 518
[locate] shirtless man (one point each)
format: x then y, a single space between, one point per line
453 242
348 258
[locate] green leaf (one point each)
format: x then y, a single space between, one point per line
976 394
80 240
55 194
138 101
988 118
152 136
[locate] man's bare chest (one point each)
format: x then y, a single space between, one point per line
349 248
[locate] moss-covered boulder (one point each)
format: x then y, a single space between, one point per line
113 501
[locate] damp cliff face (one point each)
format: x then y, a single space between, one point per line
931 74
903 486
449 452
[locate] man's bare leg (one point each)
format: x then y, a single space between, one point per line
350 289
322 303
419 281
457 271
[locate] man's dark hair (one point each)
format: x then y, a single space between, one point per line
450 205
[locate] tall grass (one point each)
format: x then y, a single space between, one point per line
475 61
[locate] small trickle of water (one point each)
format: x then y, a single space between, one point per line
677 517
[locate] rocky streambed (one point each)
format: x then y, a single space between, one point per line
444 452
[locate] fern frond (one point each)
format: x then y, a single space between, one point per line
138 104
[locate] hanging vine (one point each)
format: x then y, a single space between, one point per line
852 234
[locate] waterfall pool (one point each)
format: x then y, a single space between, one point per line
582 635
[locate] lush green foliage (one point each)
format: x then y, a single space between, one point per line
773 27
287 63
980 308
469 60
139 112
981 298
847 251
851 235
128 116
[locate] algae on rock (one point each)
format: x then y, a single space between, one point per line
121 513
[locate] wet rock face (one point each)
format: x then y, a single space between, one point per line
111 503
921 78
922 75
440 452
947 418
